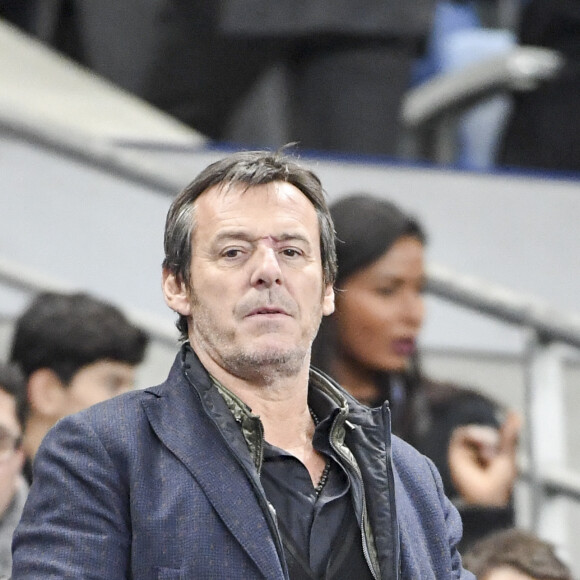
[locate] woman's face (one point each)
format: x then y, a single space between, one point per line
380 310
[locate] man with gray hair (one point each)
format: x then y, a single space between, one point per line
246 463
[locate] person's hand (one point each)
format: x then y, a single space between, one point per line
482 462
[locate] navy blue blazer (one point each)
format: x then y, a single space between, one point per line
145 486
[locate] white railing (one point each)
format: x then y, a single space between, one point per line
31 281
547 330
430 110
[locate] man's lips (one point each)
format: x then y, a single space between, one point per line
267 311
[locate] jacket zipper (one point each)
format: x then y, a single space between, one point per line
364 519
392 503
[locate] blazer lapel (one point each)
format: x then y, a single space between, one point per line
177 416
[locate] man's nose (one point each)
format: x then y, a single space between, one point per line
266 269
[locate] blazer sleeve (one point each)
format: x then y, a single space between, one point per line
76 520
430 526
454 528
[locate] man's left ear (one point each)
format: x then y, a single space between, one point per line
175 293
328 301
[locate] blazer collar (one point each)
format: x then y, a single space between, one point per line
185 412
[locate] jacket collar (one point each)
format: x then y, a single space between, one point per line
323 398
182 412
192 419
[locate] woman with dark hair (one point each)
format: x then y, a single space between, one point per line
369 346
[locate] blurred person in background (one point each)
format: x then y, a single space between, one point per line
515 555
75 350
13 487
18 12
341 67
348 64
369 345
543 130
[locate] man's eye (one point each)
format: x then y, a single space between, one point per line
291 252
231 253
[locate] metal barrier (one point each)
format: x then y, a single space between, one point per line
544 466
27 280
430 110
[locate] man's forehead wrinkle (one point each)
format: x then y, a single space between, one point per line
287 218
285 237
242 234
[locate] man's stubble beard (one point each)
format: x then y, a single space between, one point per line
262 366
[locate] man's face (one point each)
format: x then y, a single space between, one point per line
94 383
11 458
257 295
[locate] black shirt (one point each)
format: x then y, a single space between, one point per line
320 531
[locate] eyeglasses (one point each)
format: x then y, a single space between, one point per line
9 443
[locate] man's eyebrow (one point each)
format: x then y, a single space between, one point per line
246 237
292 236
232 235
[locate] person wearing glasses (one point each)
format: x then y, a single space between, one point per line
13 487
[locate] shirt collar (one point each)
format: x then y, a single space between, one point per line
323 398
